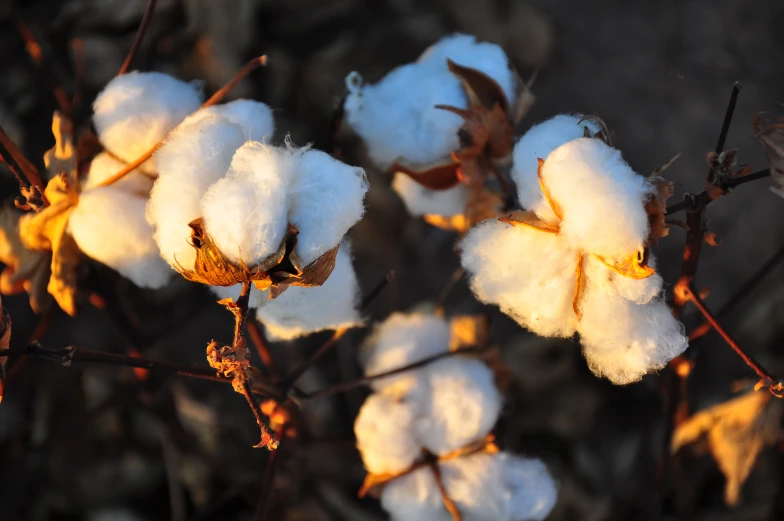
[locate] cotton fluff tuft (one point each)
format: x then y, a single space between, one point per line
137 110
538 143
108 225
384 429
529 274
244 211
422 201
104 166
194 157
255 118
300 311
397 117
602 198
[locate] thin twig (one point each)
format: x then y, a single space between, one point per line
139 36
216 98
335 122
26 174
262 348
376 291
298 371
450 285
733 182
269 482
367 380
767 379
448 503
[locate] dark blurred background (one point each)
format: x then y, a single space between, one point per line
99 444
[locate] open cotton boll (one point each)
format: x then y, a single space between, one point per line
623 340
415 497
325 201
190 160
104 166
300 311
108 225
421 201
255 118
462 406
529 274
640 291
602 198
401 340
137 110
533 491
384 430
397 117
245 211
538 143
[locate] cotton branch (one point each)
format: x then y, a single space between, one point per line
30 184
139 36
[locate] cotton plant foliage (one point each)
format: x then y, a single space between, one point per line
431 120
446 409
226 208
579 260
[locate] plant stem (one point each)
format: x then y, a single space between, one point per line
139 36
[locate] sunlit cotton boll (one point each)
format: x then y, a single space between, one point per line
137 110
385 434
640 291
255 118
422 201
623 340
108 225
601 197
528 273
538 143
397 118
401 340
103 166
300 311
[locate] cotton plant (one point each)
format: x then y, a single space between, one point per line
578 259
424 434
440 125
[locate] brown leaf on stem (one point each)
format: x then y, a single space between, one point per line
712 239
25 270
633 266
435 176
5 341
530 220
61 158
46 231
656 208
479 88
770 132
468 331
737 430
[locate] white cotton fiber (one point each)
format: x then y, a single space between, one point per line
533 491
108 225
232 292
415 497
528 273
385 434
300 311
623 340
640 291
245 212
462 406
401 340
191 159
422 201
137 110
104 166
538 143
254 117
397 117
602 198
325 201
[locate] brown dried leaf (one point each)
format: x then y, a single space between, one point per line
25 270
529 220
63 281
482 204
712 239
467 331
457 223
436 176
480 89
61 158
656 206
737 431
770 132
525 100
632 266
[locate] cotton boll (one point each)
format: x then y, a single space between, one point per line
104 166
533 491
397 117
602 199
384 431
623 340
421 201
528 273
108 225
245 211
300 311
415 497
192 158
254 117
640 291
325 201
137 110
463 405
538 143
401 340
